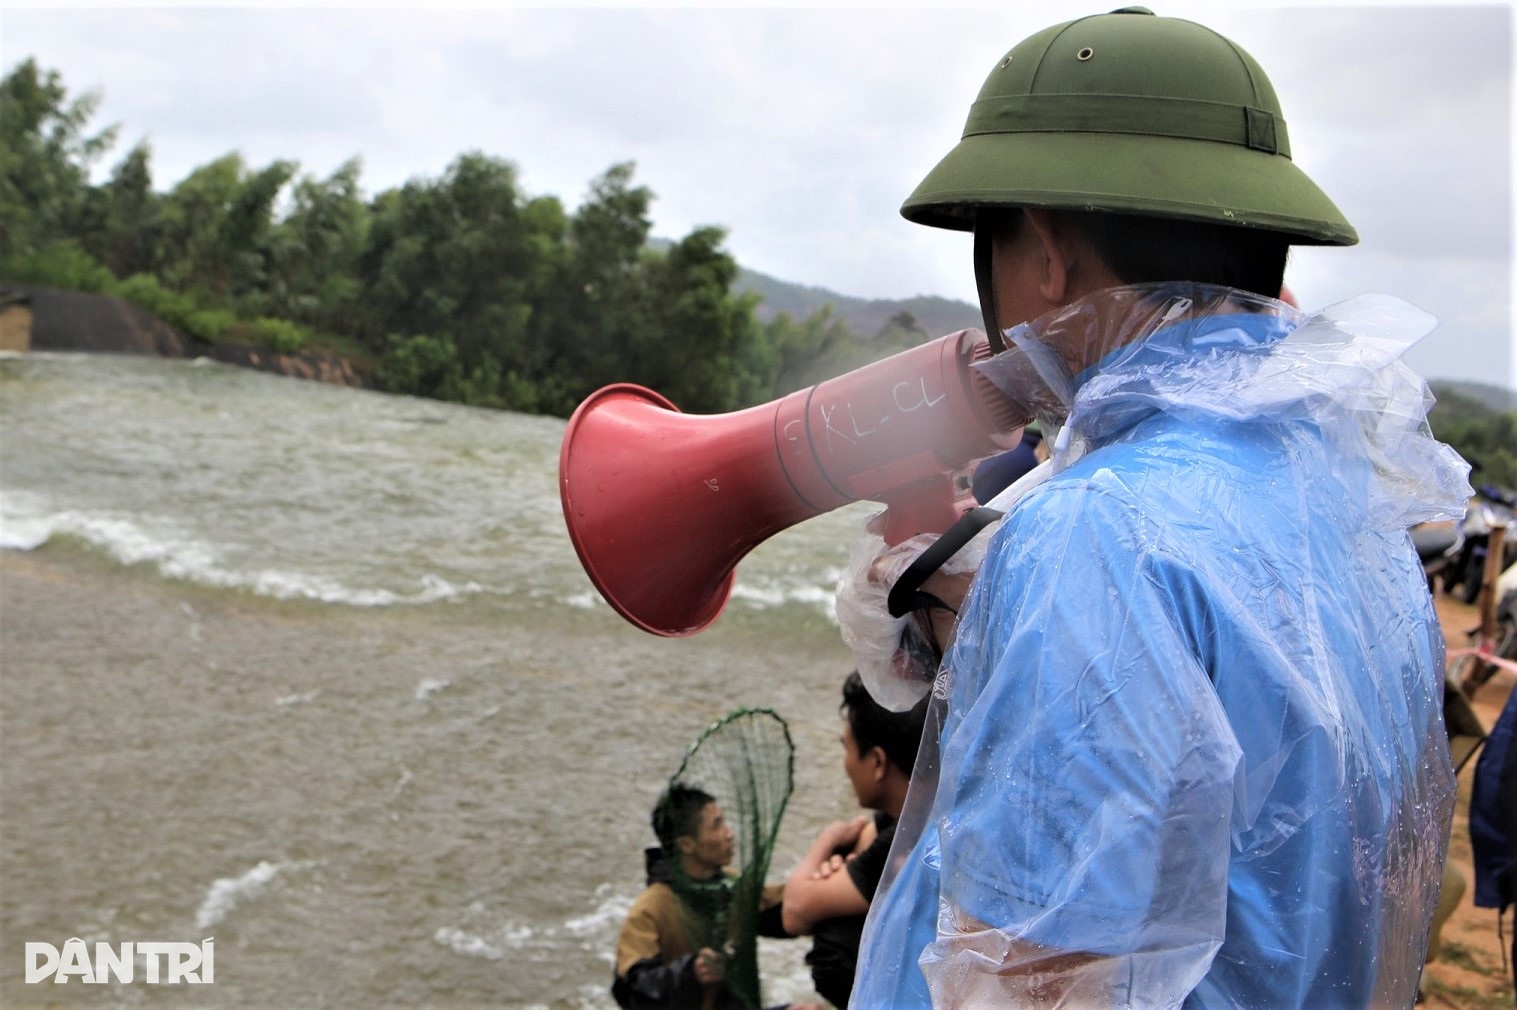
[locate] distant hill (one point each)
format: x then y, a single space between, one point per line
937 316
866 317
1494 397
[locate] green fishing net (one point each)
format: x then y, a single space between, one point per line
746 762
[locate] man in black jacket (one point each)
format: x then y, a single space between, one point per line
829 891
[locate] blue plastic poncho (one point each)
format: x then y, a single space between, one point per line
1192 750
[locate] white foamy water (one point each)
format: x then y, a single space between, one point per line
470 945
323 677
233 479
817 597
228 892
430 685
27 523
494 934
613 907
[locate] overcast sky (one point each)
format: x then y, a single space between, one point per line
800 131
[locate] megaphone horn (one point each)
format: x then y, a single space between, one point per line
661 506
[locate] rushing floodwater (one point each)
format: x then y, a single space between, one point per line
316 672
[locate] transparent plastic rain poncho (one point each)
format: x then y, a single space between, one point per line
896 656
1191 744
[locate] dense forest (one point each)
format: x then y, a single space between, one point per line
462 287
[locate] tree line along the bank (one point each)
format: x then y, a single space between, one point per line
462 287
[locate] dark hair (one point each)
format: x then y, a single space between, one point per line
677 814
897 733
1142 250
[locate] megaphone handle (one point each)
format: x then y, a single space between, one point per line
906 595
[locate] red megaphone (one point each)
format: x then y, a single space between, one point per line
661 506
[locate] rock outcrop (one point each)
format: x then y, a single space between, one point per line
81 321
329 368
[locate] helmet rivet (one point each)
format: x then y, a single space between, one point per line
1085 54
1006 62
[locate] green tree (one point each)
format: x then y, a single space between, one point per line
589 318
216 227
45 158
808 351
697 343
461 287
899 332
455 258
126 241
314 251
191 224
1483 436
243 248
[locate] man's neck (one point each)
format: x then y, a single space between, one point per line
895 796
698 869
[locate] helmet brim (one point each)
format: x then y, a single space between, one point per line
1195 180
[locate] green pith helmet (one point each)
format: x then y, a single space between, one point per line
1130 113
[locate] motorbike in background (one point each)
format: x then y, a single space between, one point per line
1439 546
1462 574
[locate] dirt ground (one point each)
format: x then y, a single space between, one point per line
1470 971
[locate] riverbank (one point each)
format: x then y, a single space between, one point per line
53 319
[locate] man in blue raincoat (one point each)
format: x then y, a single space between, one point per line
1191 744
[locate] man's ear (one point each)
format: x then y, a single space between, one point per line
685 844
1059 252
881 762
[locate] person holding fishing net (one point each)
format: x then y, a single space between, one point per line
690 940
